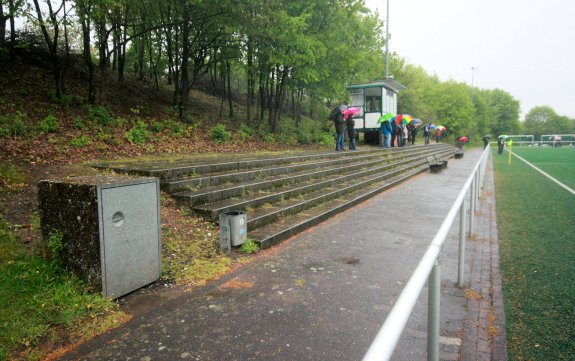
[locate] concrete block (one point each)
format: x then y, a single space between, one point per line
110 227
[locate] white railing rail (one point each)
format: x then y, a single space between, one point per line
429 269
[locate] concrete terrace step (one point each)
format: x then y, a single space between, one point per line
262 216
287 226
220 192
285 194
185 167
294 189
217 182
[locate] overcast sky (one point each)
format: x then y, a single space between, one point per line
525 47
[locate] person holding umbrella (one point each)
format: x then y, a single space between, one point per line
501 143
348 115
426 133
485 141
438 130
461 142
339 120
386 129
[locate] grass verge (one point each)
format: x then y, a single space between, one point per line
537 244
38 300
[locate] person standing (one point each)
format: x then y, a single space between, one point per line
386 129
399 135
412 132
405 135
426 133
485 141
500 144
340 132
351 132
437 133
394 130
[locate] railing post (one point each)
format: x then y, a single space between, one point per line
461 260
471 206
433 310
477 190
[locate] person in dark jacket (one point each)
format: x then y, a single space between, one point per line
500 145
412 132
426 133
485 141
351 132
340 131
394 132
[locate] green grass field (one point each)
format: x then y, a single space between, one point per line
557 162
536 223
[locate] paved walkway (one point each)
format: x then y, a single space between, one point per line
324 294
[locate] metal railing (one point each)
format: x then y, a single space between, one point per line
429 269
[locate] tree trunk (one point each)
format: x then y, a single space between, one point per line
250 95
222 86
12 9
122 55
85 22
229 76
52 44
185 80
3 19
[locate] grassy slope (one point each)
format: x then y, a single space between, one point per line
42 310
537 238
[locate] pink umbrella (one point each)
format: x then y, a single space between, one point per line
350 112
463 139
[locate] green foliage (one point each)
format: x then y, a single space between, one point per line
38 296
79 123
268 138
55 246
13 125
176 127
249 247
291 140
220 134
138 133
156 126
99 114
544 120
537 249
80 142
323 138
250 132
49 124
65 100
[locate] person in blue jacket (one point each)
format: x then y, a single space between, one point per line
386 129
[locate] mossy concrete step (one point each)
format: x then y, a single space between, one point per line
291 190
288 226
183 167
169 168
270 213
216 193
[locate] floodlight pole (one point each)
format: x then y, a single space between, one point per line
473 69
387 42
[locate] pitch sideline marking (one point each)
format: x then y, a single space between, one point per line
545 174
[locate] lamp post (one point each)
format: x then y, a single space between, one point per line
387 42
473 69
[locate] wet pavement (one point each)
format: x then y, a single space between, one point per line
324 294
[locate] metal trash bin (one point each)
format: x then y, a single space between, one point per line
233 229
